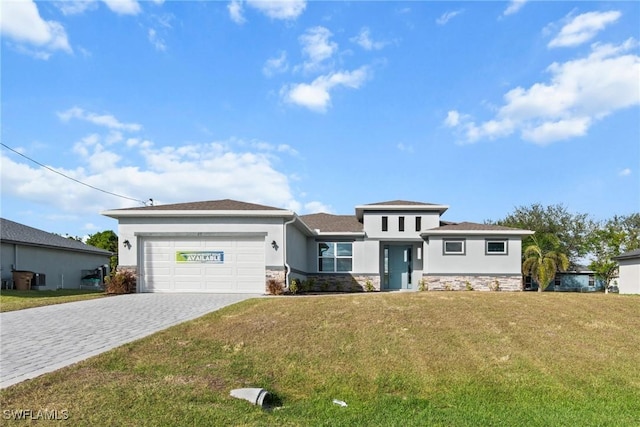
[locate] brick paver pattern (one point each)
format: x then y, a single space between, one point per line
43 339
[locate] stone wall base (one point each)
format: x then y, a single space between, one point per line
476 283
338 283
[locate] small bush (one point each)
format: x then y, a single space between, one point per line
448 287
274 287
368 286
324 286
339 287
294 287
468 286
121 282
423 285
495 286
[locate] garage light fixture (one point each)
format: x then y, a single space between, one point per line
274 245
126 244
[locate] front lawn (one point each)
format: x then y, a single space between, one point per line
11 300
401 359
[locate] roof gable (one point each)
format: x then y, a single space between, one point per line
13 232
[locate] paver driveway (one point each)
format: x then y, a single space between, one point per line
43 339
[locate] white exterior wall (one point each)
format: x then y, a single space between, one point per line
372 222
629 276
128 229
474 261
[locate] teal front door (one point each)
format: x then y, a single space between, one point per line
399 264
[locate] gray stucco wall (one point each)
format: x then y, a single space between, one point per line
629 276
475 260
62 268
373 224
296 253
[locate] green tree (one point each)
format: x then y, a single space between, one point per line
107 240
613 237
543 258
572 230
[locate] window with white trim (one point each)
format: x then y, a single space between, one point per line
453 246
335 257
495 247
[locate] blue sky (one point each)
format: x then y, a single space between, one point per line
318 106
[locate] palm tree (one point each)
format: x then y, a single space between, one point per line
542 260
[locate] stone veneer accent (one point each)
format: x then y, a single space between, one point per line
478 283
341 282
274 274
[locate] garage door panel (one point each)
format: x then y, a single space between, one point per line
241 270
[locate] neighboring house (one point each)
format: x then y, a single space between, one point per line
232 246
579 280
629 272
59 262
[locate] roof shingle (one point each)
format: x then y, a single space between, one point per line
210 205
332 223
13 232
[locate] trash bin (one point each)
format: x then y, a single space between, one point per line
22 280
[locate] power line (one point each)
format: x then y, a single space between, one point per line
68 177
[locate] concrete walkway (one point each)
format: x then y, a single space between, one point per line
43 339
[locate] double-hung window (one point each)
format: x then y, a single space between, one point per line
453 246
335 257
495 247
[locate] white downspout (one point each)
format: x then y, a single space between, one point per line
284 250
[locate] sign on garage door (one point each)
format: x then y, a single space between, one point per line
203 264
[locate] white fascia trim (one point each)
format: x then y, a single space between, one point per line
340 234
360 209
193 213
477 233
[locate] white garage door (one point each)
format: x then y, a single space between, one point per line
230 264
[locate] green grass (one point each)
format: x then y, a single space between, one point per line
11 300
402 359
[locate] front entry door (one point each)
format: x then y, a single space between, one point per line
399 267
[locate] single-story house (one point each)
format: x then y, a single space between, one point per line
579 279
234 246
57 262
629 272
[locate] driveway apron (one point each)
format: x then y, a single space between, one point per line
43 339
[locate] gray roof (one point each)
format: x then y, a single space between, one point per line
211 205
472 226
629 255
13 232
332 223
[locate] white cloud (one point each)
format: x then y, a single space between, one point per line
514 7
583 28
105 120
276 65
235 11
579 93
279 9
167 174
316 207
453 118
157 41
447 16
317 47
21 22
316 95
75 7
405 148
123 7
625 172
364 40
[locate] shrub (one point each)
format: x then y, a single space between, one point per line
448 287
294 287
324 286
468 286
339 287
274 287
495 286
121 282
423 285
368 286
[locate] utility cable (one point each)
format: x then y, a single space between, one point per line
68 177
